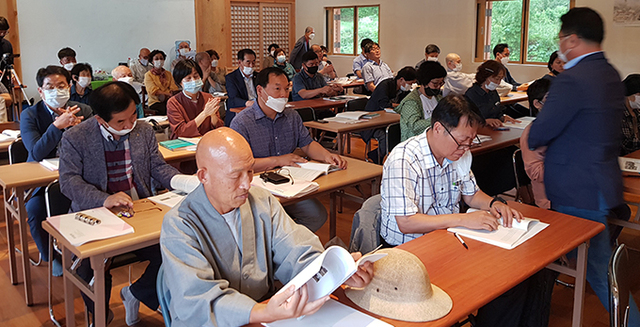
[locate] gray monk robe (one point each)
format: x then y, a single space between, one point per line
210 281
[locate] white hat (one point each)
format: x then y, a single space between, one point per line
401 289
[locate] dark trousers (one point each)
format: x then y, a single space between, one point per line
159 107
144 289
37 213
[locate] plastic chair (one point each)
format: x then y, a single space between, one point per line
393 137
619 283
17 152
164 297
307 114
521 177
365 228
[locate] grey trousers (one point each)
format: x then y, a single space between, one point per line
309 213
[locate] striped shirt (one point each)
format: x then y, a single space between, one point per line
374 72
413 182
117 156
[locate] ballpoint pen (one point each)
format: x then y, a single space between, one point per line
461 240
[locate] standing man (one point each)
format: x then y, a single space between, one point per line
301 47
5 48
240 83
141 66
580 126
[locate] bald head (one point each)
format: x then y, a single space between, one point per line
452 60
220 145
120 72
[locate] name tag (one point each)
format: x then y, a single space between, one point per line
629 164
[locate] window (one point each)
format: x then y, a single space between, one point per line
529 27
346 26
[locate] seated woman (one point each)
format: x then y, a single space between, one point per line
282 63
191 113
555 65
216 81
159 83
416 108
270 58
631 120
483 93
81 75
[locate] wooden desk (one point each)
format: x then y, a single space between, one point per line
499 140
514 97
631 182
176 156
385 119
18 182
4 146
316 104
146 222
476 276
351 84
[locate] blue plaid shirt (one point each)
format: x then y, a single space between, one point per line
413 182
267 137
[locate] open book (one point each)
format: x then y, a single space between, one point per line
506 238
309 171
286 190
629 165
9 135
78 232
524 122
328 271
332 314
182 185
51 163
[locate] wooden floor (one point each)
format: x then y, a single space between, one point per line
14 312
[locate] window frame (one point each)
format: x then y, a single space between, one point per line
483 24
329 28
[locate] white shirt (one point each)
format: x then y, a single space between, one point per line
457 83
428 105
251 91
235 224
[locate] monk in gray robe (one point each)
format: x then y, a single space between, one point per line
226 243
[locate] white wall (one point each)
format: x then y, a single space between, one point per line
407 26
103 33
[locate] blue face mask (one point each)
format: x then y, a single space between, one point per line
193 86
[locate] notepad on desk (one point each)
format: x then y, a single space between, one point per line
332 314
52 163
504 237
286 190
524 122
78 232
9 135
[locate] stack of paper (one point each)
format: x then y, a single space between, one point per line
51 164
9 135
169 199
78 232
332 314
507 238
524 122
286 190
178 144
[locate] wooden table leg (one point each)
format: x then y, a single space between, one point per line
339 138
68 286
332 215
99 290
24 238
8 217
578 292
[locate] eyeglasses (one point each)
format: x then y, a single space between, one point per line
437 84
460 146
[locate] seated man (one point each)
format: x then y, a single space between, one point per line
67 58
241 84
140 65
183 50
275 132
227 243
124 74
41 129
109 161
308 84
375 71
361 60
325 67
501 53
456 82
431 53
534 159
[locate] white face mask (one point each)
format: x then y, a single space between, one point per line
504 60
69 66
144 62
126 79
158 63
193 86
405 87
183 51
247 70
277 104
281 58
458 67
84 81
635 104
311 36
432 58
56 98
491 86
121 132
563 55
214 63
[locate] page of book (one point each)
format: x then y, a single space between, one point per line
170 199
344 120
524 122
52 163
355 115
301 174
78 232
286 190
332 314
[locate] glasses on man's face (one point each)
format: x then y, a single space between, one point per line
460 146
436 85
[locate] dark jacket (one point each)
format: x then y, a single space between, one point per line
39 135
581 124
301 46
237 92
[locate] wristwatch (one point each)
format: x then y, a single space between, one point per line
497 198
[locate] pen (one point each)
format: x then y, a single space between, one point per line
461 240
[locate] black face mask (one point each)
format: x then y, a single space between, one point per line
555 72
312 70
431 92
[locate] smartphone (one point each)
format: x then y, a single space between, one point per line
274 178
322 121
